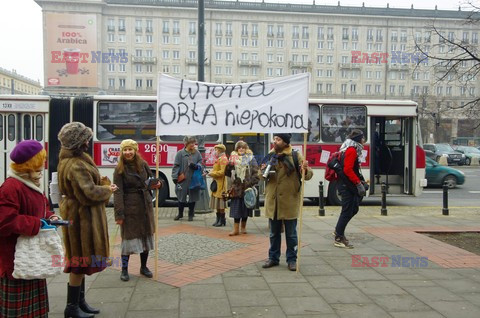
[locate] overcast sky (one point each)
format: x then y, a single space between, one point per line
22 39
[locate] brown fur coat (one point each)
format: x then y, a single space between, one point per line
83 203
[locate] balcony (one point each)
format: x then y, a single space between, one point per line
121 28
218 33
369 37
138 29
345 37
270 34
330 37
249 63
189 61
228 33
144 59
148 30
280 34
350 65
254 34
379 38
354 37
111 28
296 64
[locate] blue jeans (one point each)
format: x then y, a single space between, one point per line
276 240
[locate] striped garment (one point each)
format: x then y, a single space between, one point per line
23 298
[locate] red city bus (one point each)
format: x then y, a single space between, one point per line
391 129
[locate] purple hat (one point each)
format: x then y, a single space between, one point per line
25 150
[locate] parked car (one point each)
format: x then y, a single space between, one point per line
437 175
469 152
430 154
445 150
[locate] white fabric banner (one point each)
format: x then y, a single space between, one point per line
197 108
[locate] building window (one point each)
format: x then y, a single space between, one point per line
149 68
111 83
121 83
121 38
166 39
138 68
149 83
111 37
111 67
138 83
122 67
149 38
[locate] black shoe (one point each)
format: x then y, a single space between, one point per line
124 276
84 306
269 264
72 309
146 272
223 221
217 221
190 218
178 217
292 266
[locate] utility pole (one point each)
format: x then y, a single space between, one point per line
203 204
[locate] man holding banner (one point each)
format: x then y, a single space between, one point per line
282 197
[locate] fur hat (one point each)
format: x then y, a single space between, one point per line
356 135
241 144
129 143
189 139
28 155
284 137
74 134
221 147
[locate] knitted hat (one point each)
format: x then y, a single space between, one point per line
129 143
27 155
356 135
74 134
221 147
284 137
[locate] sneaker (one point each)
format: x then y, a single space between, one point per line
334 234
342 242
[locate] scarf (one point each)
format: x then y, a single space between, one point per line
241 163
26 182
350 143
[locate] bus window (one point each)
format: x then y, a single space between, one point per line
338 121
27 127
126 120
11 127
393 132
39 127
313 134
1 127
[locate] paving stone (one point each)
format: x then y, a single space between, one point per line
148 286
359 310
418 314
400 303
304 306
316 269
282 276
289 289
114 281
111 309
171 313
263 312
207 308
434 293
110 295
244 283
379 288
359 274
255 298
344 296
474 298
249 270
438 273
414 283
164 299
334 281
455 308
212 280
459 285
203 291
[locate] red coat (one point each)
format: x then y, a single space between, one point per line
21 209
349 162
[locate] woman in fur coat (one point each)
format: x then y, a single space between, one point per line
133 207
242 170
84 195
23 210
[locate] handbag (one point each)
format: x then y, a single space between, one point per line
197 182
250 197
34 255
213 186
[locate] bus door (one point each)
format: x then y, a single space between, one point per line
391 144
16 127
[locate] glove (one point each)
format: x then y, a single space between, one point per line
366 186
175 181
45 225
361 190
192 166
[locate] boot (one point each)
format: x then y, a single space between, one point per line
72 309
244 227
235 229
180 211
83 304
222 221
143 268
217 222
191 211
124 275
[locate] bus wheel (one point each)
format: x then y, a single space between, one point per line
334 197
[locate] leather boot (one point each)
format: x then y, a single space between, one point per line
124 275
222 221
83 304
191 211
143 267
217 222
235 229
244 227
72 310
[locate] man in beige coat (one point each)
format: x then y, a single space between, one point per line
282 198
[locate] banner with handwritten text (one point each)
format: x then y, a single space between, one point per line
197 108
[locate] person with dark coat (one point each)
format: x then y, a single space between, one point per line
84 195
23 210
186 162
242 172
351 184
133 207
282 199
218 175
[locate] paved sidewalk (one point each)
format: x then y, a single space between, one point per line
203 272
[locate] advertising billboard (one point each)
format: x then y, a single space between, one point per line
71 50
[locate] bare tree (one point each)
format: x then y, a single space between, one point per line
457 62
